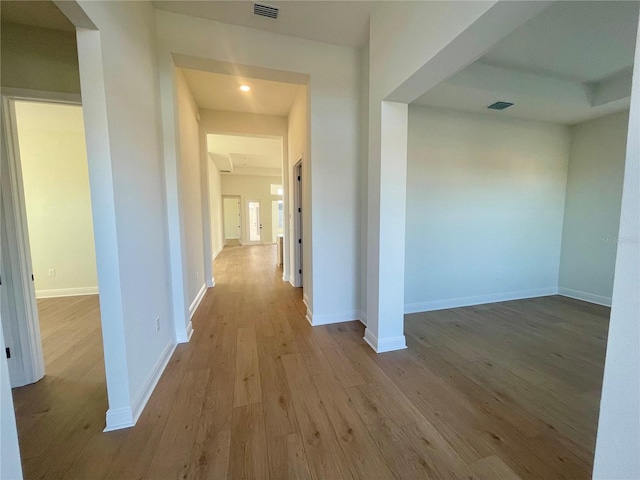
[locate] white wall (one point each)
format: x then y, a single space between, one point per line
250 187
485 199
215 209
592 208
190 162
55 176
120 93
298 148
334 139
39 59
618 440
10 466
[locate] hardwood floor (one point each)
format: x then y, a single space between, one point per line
501 391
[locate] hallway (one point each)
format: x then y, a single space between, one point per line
258 393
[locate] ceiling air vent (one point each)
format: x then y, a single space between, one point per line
500 105
265 10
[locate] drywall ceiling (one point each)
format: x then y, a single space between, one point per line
571 63
222 92
343 23
245 155
42 14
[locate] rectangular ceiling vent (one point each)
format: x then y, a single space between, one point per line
500 105
265 10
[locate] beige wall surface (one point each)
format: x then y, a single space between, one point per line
592 207
253 188
56 185
190 163
485 204
39 59
298 148
215 209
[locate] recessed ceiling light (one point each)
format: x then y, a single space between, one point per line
245 88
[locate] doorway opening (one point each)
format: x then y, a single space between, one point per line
255 224
50 306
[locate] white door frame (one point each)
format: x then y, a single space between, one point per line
27 323
248 217
296 274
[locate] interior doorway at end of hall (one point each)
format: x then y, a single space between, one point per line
232 213
255 223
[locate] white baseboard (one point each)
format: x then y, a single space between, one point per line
184 337
385 344
119 418
126 417
584 296
285 277
329 318
477 300
362 317
196 301
305 299
66 292
216 253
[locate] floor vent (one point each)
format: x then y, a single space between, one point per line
265 10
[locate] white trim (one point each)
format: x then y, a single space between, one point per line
285 277
41 95
309 317
329 318
196 302
213 282
477 300
184 337
386 344
305 299
120 418
27 320
67 292
585 297
362 317
216 253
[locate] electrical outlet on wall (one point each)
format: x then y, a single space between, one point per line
157 324
52 272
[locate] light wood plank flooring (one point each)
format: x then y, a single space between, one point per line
502 391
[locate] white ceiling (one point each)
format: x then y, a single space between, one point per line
222 92
336 22
42 14
246 155
571 63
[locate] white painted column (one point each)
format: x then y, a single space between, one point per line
618 441
94 108
386 231
173 175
